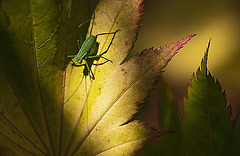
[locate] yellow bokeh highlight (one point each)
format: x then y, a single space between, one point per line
224 42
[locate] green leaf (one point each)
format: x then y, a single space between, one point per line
206 125
34 33
48 110
233 148
170 121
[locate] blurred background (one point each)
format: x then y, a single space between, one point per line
167 21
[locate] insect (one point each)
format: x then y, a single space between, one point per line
87 49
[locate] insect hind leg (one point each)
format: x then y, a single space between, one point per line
106 59
114 33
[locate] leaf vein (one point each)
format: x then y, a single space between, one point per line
38 84
16 144
2 113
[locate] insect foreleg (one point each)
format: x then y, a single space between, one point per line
81 39
70 56
80 25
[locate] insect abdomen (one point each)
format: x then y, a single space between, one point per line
86 46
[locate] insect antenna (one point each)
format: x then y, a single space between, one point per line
92 23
